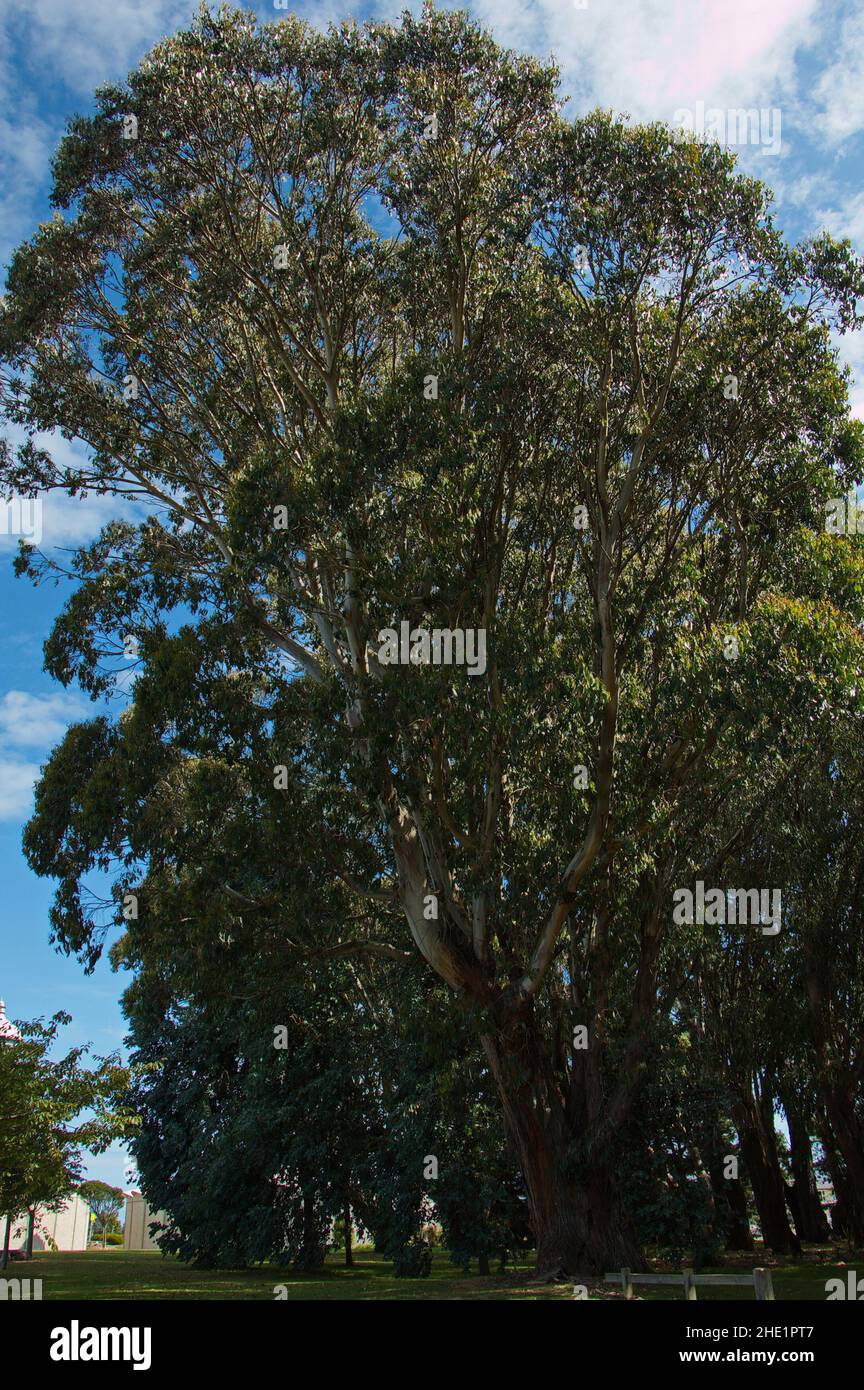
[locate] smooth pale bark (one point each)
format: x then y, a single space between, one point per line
442 948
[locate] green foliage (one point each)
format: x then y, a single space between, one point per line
105 1202
50 1110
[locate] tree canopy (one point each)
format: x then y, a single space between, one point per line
51 1110
377 341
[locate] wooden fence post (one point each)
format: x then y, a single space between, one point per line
689 1285
763 1284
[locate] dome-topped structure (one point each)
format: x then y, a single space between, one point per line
8 1031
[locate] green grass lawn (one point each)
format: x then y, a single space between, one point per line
120 1274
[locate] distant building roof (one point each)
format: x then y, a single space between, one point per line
8 1031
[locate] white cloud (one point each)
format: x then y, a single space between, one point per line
851 349
46 46
68 521
26 146
17 780
839 92
88 42
648 57
36 721
28 724
803 191
643 56
847 220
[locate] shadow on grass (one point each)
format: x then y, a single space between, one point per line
148 1275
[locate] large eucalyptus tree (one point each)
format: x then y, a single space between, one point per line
381 338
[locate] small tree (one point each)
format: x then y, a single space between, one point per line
49 1112
105 1202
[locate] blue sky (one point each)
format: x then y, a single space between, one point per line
798 62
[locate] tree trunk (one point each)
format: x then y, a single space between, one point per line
4 1258
730 1202
576 1213
739 1236
349 1254
30 1226
810 1220
311 1254
846 1220
759 1151
847 1132
732 1215
836 1080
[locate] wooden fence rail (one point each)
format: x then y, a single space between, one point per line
759 1280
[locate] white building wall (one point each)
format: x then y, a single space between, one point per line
66 1229
136 1234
